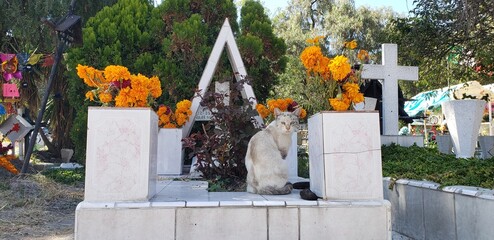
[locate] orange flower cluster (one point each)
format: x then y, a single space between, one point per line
170 119
283 105
5 162
116 86
341 80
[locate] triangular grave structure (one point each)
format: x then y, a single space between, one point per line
225 38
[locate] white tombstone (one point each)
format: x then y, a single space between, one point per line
390 72
121 154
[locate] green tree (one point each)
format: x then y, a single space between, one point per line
448 40
262 51
116 35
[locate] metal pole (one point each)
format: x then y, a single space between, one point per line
39 119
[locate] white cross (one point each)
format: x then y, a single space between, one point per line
390 72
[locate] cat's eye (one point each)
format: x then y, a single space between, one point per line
283 123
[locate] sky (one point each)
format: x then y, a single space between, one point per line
399 6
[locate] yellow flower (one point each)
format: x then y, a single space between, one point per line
351 45
339 104
340 67
90 95
311 58
105 97
303 113
5 162
115 73
315 40
262 110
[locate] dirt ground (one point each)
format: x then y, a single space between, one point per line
36 207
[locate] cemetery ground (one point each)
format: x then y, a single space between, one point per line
40 205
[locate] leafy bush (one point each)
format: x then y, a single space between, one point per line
220 145
428 164
66 176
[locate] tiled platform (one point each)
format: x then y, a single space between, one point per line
186 210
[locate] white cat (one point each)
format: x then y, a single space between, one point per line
265 158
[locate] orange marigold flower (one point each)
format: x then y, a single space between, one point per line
170 125
351 45
311 58
340 67
90 95
363 55
303 113
339 104
262 110
105 97
115 73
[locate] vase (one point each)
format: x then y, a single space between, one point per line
345 155
170 153
368 104
487 146
463 118
444 143
121 154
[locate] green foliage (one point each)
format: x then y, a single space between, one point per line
66 176
428 164
262 51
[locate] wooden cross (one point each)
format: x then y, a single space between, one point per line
390 72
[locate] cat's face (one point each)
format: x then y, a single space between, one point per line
287 122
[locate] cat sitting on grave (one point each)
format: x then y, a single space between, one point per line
265 158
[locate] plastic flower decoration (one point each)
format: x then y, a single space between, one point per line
336 79
9 67
116 86
170 119
284 105
473 90
5 160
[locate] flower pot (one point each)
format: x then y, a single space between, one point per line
444 143
345 155
368 104
170 153
463 118
487 146
121 154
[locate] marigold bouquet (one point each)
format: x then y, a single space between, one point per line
116 86
336 79
283 104
170 119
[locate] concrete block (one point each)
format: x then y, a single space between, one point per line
283 223
125 223
355 222
221 223
439 215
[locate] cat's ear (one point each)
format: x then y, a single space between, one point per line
297 112
277 112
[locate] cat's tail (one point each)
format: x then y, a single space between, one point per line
271 190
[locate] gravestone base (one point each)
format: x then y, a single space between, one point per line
186 210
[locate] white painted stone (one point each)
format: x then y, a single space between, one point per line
352 222
225 38
283 223
170 153
66 154
390 72
121 154
345 155
292 158
405 141
125 223
221 223
463 118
